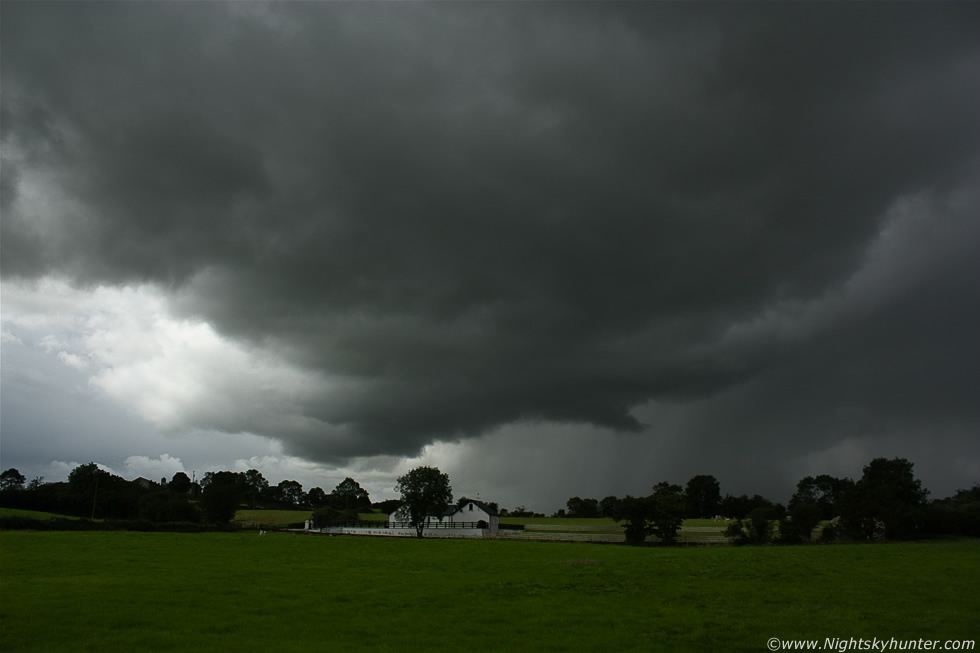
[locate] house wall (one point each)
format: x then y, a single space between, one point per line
476 515
467 515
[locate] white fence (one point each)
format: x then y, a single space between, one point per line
441 533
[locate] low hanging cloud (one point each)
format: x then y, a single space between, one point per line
362 229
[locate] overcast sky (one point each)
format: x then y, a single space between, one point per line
555 249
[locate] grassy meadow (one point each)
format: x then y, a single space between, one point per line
277 518
97 591
31 514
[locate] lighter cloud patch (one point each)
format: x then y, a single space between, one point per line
9 338
72 360
176 374
51 343
58 470
165 466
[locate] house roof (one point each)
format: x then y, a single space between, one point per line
487 509
452 510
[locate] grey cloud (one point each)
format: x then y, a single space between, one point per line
475 215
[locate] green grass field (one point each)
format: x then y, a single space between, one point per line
97 591
276 518
31 514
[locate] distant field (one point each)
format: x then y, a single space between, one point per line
693 531
373 516
271 518
31 514
605 522
276 518
97 591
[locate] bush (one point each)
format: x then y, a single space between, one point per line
736 532
168 507
790 532
755 529
829 533
330 516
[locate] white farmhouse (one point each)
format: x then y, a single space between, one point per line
470 514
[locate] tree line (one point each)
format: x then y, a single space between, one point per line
887 502
94 493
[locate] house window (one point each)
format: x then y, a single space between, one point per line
471 506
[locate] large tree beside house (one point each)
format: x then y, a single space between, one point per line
425 491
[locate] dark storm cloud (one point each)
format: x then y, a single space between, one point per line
465 216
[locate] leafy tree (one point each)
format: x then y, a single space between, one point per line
804 517
635 511
95 492
826 492
734 507
221 496
607 507
11 479
703 496
739 507
255 487
180 483
317 497
736 531
291 492
660 514
756 528
35 483
663 487
667 507
955 515
888 498
85 477
761 522
349 495
585 508
83 481
424 491
273 494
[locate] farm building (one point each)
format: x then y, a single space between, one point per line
472 513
